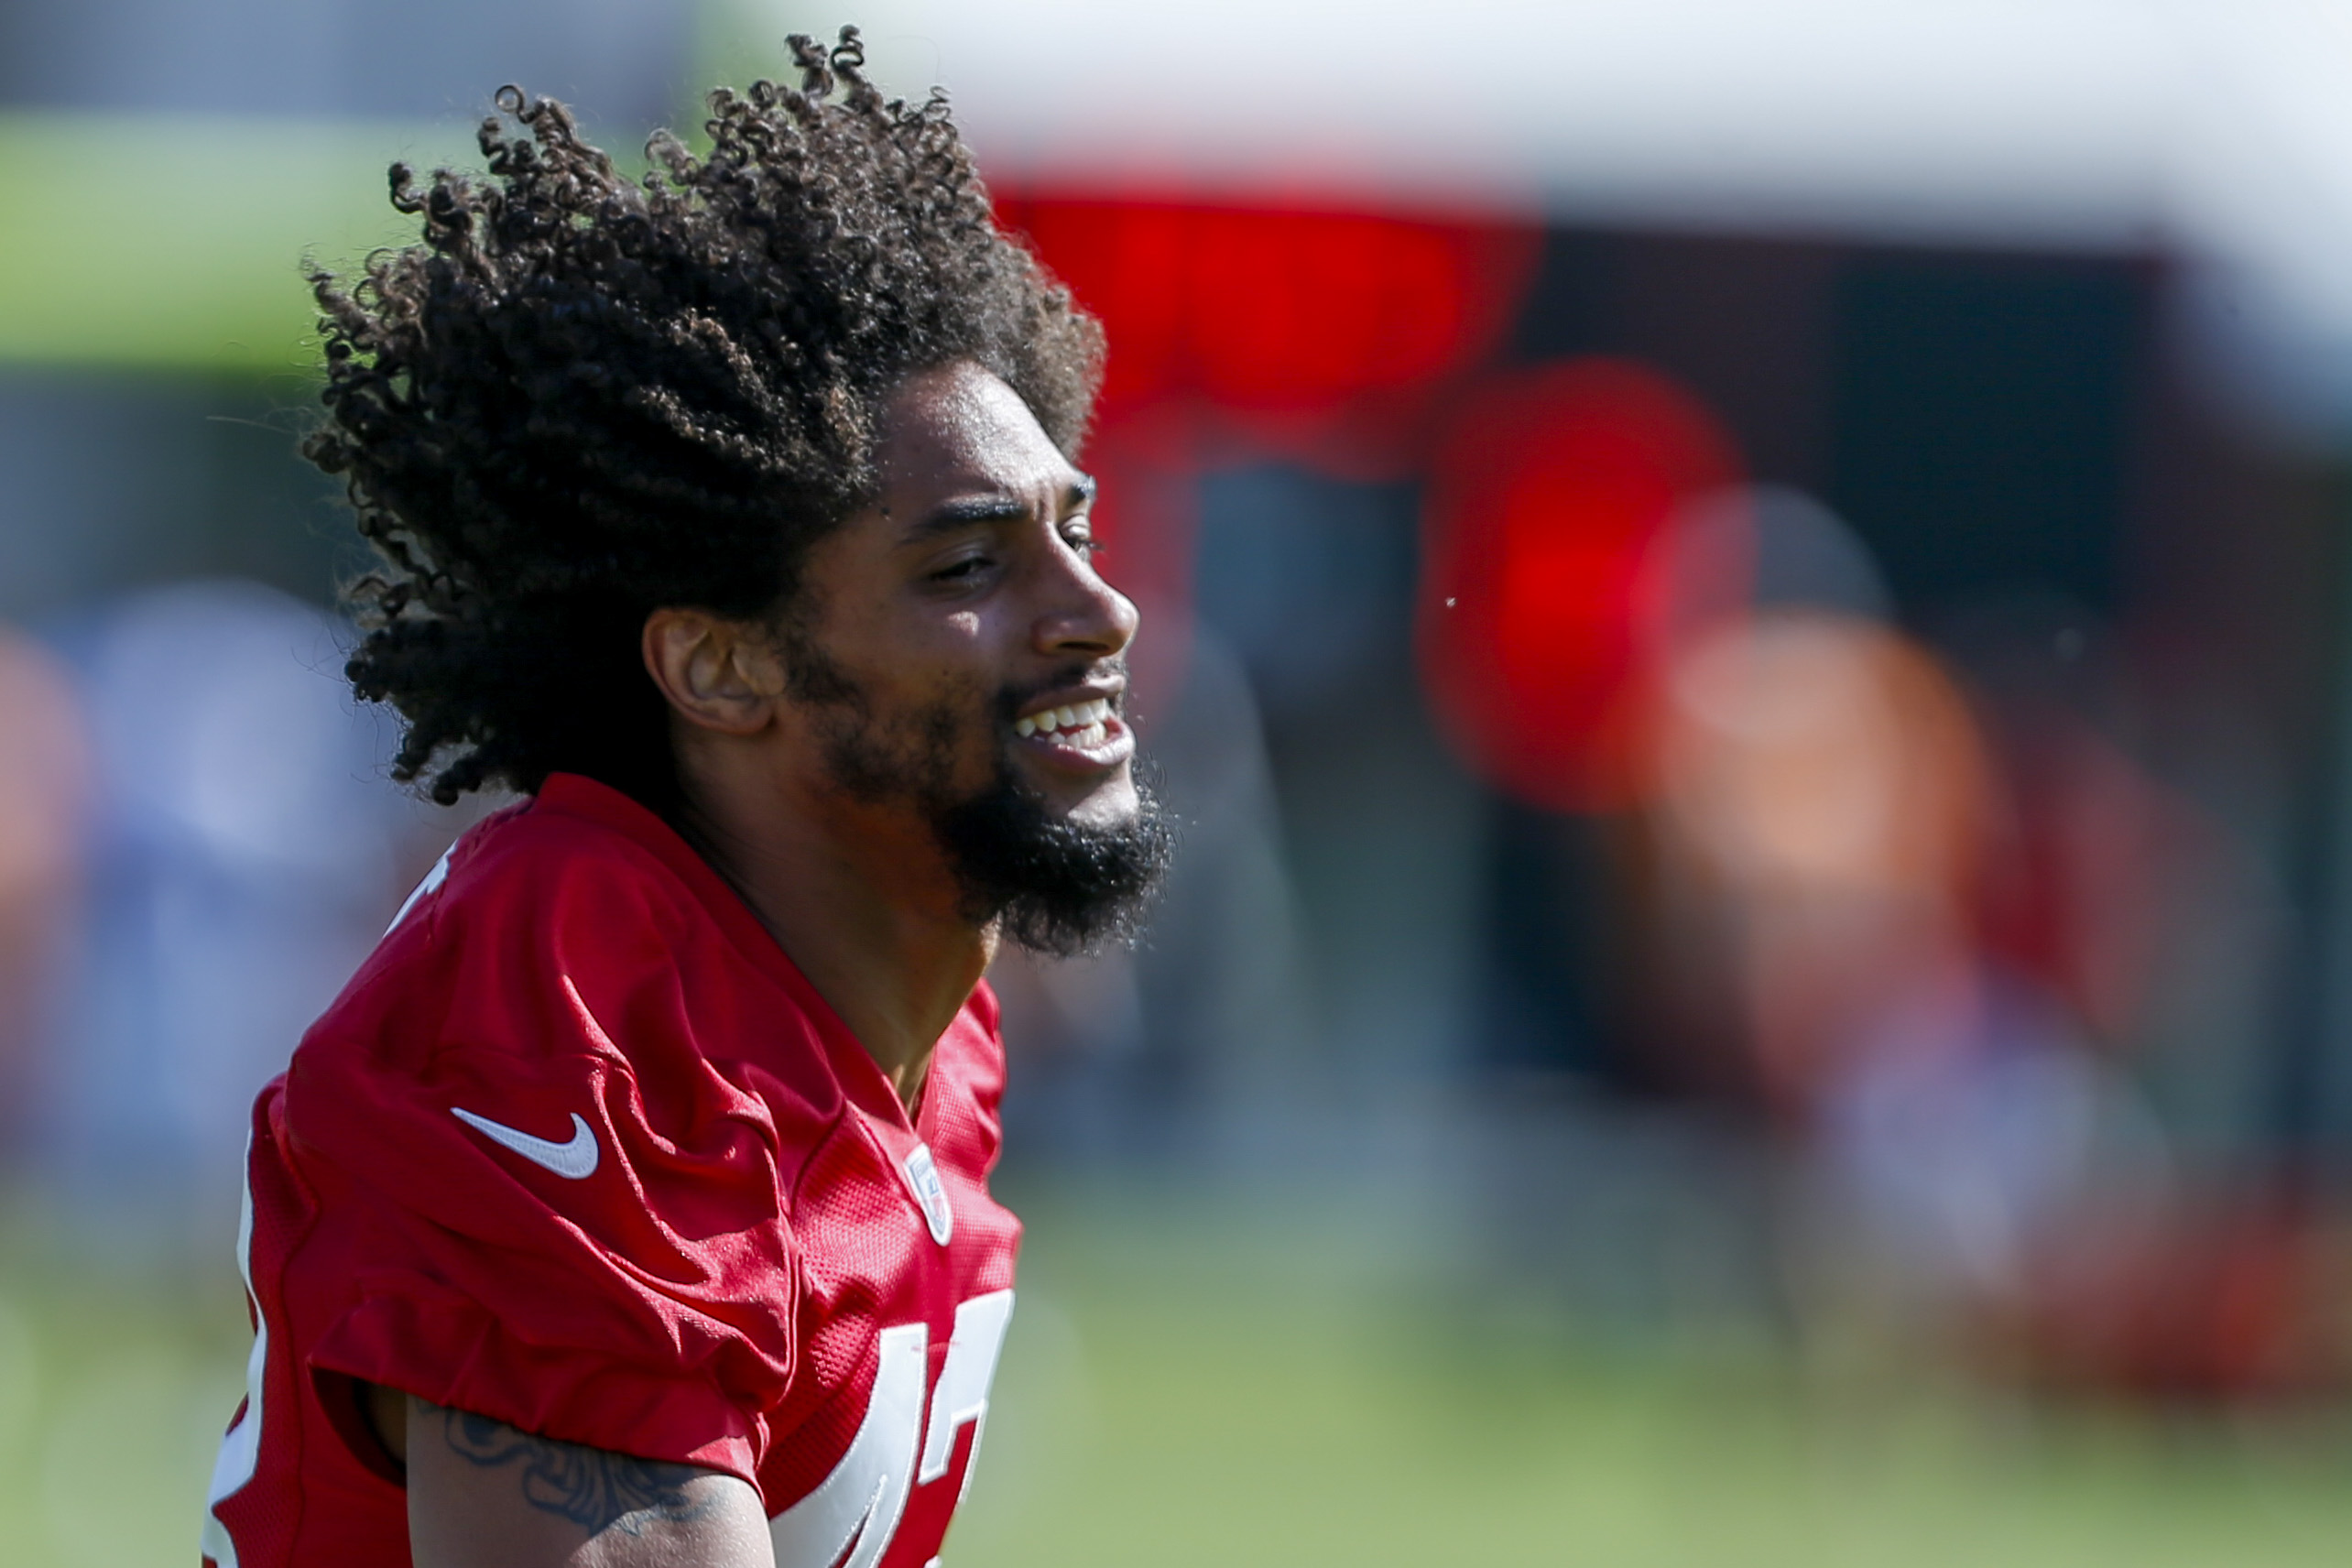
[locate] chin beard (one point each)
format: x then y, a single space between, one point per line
1058 888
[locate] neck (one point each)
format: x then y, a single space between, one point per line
862 901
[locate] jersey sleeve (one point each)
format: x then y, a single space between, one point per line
538 1199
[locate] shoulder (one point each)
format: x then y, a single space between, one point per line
542 873
519 913
573 946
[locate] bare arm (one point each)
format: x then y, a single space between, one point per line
485 1495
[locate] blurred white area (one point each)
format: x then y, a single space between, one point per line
2217 129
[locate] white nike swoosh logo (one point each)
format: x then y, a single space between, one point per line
574 1161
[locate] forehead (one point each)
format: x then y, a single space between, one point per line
959 428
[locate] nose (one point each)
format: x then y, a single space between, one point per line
1087 616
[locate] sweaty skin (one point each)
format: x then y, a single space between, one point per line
970 578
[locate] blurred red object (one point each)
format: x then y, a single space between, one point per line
2095 857
2214 1304
1544 613
1322 332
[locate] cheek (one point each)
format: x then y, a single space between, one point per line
908 655
955 716
935 653
951 664
933 676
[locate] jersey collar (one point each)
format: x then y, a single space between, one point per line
576 795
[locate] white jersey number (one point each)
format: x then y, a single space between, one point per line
241 1448
862 1500
859 1503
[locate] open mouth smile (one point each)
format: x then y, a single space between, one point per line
1085 732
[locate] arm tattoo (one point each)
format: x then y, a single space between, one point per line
594 1489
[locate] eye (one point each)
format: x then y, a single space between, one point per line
965 569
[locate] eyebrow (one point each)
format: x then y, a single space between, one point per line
975 511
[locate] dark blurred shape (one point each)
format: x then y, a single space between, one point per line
1745 323
1981 415
1308 578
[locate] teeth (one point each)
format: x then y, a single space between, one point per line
1084 721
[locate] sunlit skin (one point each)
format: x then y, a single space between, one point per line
971 576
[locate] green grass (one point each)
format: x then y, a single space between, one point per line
1261 1418
176 241
112 1395
1172 1393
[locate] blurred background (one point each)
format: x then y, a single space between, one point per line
1745 611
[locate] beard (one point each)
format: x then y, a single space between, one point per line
1058 888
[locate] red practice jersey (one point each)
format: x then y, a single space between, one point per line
579 1149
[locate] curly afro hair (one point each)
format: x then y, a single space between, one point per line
584 398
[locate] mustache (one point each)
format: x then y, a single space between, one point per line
1011 699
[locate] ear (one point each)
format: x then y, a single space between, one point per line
718 673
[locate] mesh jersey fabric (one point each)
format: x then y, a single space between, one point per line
580 1150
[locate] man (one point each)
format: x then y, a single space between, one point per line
631 1206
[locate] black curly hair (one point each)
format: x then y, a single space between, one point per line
584 398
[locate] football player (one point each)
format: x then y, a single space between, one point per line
631 1206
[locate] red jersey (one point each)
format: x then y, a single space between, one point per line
579 1149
